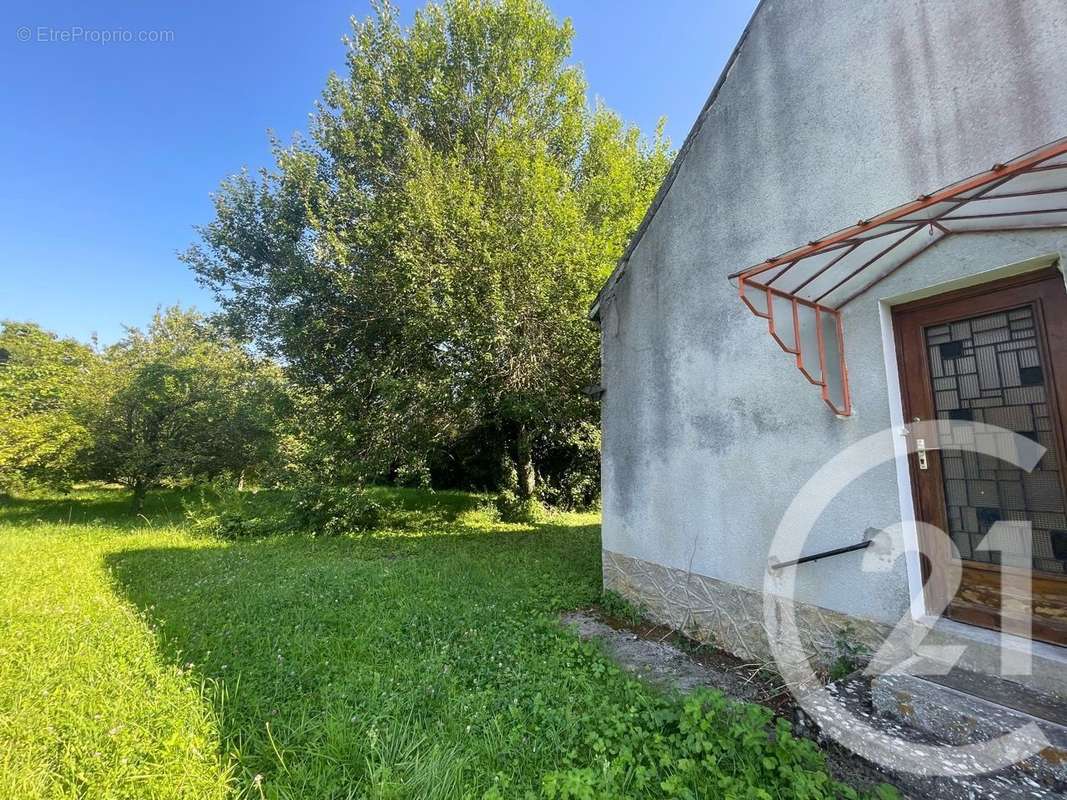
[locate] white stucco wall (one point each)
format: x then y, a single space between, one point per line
834 110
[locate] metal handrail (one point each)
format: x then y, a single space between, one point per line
777 565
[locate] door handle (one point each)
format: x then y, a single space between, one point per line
920 452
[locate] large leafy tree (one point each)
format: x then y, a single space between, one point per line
183 400
48 396
423 262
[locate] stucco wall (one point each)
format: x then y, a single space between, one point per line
834 110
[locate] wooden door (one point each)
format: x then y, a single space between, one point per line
996 354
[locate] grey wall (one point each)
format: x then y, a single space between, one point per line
834 110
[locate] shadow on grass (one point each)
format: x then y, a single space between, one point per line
309 646
445 504
111 505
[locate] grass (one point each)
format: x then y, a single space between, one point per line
425 660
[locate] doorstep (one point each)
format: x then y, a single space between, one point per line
966 708
980 653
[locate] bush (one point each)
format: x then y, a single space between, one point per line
513 508
568 466
335 510
232 514
566 457
473 461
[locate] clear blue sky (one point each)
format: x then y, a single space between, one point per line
110 150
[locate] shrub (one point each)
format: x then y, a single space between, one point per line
513 508
472 461
232 514
335 510
568 466
566 457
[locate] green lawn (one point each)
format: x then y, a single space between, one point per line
140 661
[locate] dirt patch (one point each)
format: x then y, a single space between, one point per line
665 657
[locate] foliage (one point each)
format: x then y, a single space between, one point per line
568 459
333 510
313 508
424 260
617 606
183 401
512 507
704 746
229 513
849 653
423 662
48 391
472 461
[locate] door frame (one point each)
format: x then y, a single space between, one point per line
927 498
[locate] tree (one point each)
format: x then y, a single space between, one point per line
47 399
183 401
424 262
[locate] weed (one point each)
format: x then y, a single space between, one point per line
849 653
617 606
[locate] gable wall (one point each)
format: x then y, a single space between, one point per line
834 110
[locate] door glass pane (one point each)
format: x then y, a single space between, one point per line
991 369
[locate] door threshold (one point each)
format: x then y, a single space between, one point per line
982 654
994 638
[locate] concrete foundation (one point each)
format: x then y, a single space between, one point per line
731 616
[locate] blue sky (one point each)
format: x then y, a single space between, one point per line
110 150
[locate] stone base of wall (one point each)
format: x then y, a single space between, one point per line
729 616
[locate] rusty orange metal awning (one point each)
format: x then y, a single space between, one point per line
801 293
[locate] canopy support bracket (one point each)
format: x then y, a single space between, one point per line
826 274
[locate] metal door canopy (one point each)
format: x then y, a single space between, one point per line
801 293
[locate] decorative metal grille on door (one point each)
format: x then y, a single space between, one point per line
990 369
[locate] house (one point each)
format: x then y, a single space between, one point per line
865 229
